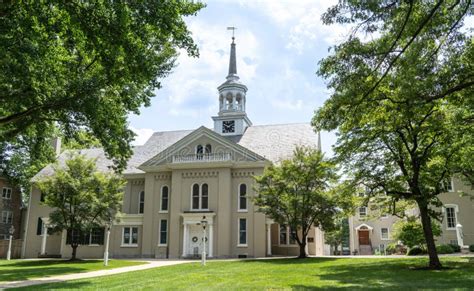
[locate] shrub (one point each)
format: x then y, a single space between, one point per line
456 248
395 249
471 248
444 249
415 251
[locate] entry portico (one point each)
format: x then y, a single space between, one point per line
194 233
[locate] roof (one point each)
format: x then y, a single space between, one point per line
277 142
273 142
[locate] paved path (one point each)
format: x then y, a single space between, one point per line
61 278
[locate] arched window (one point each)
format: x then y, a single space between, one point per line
195 197
208 149
242 197
141 202
199 151
205 196
164 198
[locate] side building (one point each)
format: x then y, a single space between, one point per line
370 235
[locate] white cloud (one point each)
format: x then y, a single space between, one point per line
142 135
290 104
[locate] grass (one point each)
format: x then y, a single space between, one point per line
311 273
16 270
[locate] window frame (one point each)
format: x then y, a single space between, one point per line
140 202
381 233
5 215
160 232
455 209
130 244
239 232
239 196
200 197
167 200
285 233
365 211
291 241
7 191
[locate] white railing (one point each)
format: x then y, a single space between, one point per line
199 158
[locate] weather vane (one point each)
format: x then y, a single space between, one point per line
233 31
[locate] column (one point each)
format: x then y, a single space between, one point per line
211 239
43 241
269 239
234 103
185 238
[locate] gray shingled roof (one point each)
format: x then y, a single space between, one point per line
274 142
277 142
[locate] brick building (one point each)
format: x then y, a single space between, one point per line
10 209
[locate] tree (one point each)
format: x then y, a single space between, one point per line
338 236
297 193
402 100
86 65
410 232
81 197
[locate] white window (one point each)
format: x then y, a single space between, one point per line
7 193
448 185
362 211
283 235
141 202
291 236
384 233
200 197
199 152
7 217
242 232
163 232
242 198
130 236
165 192
451 219
208 149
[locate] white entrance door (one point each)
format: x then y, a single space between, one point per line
195 242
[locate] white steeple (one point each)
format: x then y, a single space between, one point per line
232 118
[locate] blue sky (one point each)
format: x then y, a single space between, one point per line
279 44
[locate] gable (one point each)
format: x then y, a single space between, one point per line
184 150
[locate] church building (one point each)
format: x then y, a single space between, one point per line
188 190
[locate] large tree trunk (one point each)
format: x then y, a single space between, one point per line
428 231
302 250
74 251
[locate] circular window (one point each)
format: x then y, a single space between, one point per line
194 239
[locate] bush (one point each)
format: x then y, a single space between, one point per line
456 248
395 249
415 251
471 248
444 249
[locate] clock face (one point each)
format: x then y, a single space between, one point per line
228 126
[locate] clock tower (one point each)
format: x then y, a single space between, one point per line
232 118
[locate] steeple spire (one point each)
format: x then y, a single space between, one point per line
232 61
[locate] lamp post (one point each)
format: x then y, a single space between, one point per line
9 252
107 239
203 256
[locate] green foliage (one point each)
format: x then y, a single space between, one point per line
297 193
395 249
338 235
456 248
444 249
402 99
86 65
471 248
410 232
416 251
81 197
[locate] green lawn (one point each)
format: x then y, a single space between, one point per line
289 273
16 270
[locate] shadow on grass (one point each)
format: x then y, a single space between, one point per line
395 274
24 270
291 261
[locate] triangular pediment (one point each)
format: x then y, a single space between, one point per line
183 151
